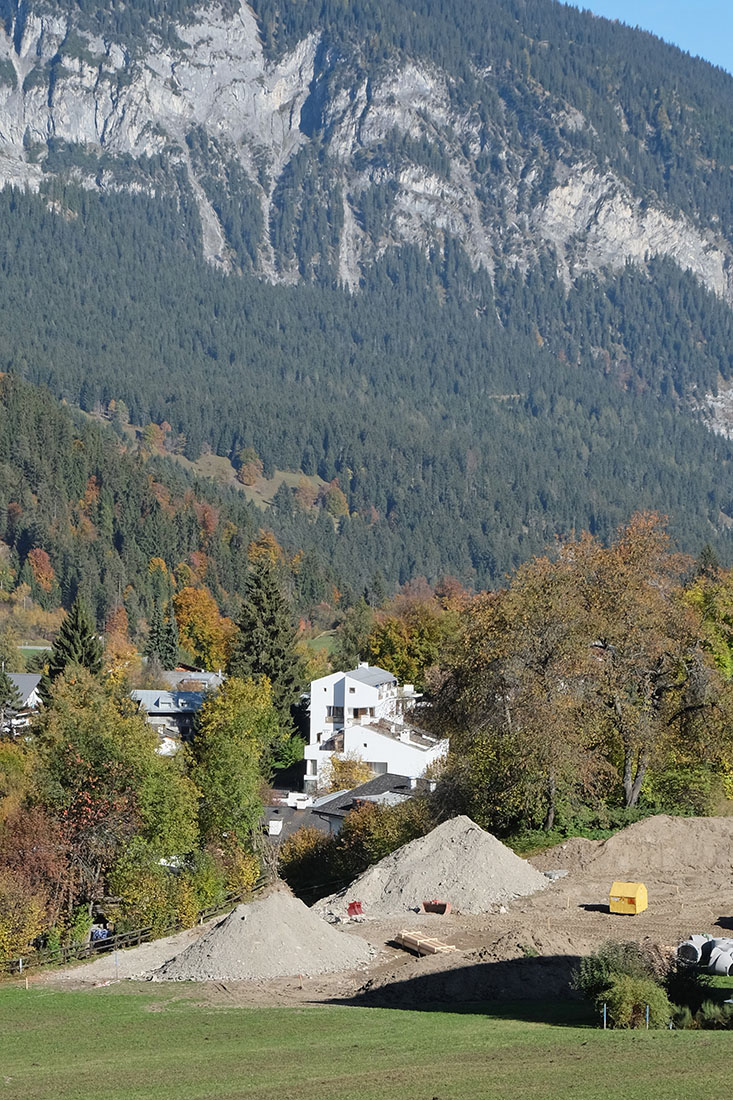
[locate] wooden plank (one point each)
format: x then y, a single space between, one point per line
420 944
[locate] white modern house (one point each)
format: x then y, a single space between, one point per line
362 713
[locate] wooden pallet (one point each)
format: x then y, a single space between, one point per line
421 945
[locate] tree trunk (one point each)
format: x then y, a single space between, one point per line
633 779
551 793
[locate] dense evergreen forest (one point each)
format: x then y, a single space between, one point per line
463 418
461 445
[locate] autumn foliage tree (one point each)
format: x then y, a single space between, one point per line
202 629
584 681
237 730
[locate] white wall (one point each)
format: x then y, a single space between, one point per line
401 757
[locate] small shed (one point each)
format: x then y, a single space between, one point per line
627 897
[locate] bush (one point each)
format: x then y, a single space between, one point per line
241 871
627 999
688 986
306 860
711 1016
79 927
371 832
596 973
22 915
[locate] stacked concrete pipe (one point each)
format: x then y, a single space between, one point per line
716 955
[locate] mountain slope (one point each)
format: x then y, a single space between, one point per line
472 260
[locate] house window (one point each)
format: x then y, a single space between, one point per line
311 767
379 767
352 691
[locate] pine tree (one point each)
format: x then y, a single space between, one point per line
77 643
265 642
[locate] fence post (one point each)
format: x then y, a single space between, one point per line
605 1012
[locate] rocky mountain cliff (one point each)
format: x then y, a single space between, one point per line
321 158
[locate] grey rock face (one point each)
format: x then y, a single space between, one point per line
392 136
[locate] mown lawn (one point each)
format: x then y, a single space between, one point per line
166 1044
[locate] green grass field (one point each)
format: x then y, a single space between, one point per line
164 1043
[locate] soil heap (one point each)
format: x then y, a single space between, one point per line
275 937
457 862
667 848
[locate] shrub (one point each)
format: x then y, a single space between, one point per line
596 972
714 1016
688 986
371 832
241 871
79 926
627 999
306 860
207 877
22 915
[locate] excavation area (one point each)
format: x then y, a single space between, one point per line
506 929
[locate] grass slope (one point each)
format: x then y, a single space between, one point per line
168 1045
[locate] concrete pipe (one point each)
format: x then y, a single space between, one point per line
690 952
721 962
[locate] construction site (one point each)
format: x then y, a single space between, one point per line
454 917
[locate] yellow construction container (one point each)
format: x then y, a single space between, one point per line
627 897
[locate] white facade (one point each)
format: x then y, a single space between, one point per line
361 713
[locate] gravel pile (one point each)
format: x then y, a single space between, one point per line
275 937
457 862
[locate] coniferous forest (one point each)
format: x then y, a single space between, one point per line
463 415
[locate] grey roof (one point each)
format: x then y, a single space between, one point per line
177 676
168 702
372 675
387 784
25 683
293 820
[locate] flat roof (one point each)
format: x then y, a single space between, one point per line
372 675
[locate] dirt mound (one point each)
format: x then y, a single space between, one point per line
456 862
572 855
277 936
668 848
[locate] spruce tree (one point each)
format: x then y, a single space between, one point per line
156 635
265 642
169 649
76 643
162 643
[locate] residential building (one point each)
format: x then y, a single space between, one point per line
171 714
384 790
185 678
364 714
26 685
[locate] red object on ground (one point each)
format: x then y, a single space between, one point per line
435 906
354 908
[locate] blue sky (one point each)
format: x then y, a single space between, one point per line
704 28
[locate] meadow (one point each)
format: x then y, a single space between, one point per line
178 1044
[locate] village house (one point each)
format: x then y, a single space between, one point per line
171 714
364 714
26 685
